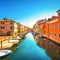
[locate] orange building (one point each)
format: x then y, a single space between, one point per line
42 28
52 28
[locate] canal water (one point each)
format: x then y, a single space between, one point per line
52 49
28 50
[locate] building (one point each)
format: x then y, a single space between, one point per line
8 27
15 29
19 28
39 26
42 27
35 27
54 27
51 28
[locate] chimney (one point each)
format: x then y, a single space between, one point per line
5 19
58 12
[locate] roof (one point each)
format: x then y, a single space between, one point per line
6 20
41 21
58 10
54 17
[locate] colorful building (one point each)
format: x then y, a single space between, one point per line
51 28
6 27
38 27
19 28
9 27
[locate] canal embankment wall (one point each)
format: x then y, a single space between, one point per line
51 39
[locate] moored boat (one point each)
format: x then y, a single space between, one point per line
4 53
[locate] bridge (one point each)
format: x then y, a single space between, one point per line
24 33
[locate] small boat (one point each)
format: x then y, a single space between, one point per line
4 53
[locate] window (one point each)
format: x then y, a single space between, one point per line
51 34
59 35
2 27
54 34
10 22
10 27
59 26
18 31
54 26
2 22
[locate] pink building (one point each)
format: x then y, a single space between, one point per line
6 27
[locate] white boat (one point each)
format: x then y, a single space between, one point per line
4 53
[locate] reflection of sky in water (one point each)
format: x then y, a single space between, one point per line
28 50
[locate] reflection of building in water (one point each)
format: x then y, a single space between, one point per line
52 49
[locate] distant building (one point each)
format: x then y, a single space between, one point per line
9 27
38 26
19 28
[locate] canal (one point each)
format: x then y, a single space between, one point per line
28 50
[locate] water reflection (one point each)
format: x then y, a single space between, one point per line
51 48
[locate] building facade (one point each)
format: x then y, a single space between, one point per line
51 28
9 27
6 27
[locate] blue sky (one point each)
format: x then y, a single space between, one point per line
27 12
